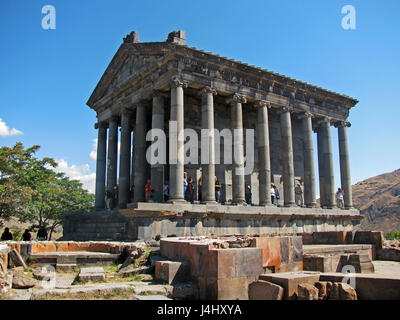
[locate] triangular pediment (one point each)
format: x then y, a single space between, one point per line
125 65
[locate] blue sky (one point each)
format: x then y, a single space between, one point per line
48 75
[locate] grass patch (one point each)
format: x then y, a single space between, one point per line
113 294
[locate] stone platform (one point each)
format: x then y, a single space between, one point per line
146 221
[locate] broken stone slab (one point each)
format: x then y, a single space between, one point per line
291 280
20 281
323 289
17 259
342 291
92 274
129 271
307 291
264 290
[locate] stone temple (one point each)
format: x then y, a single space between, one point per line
148 85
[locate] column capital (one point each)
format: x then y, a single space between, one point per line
178 82
100 124
236 98
156 93
342 124
305 115
262 103
112 118
324 120
126 112
208 89
285 109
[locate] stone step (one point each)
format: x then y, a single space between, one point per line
92 274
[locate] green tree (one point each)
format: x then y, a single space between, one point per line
38 195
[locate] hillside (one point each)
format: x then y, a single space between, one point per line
378 199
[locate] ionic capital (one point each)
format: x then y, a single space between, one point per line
285 109
305 115
342 124
208 90
177 82
237 98
262 104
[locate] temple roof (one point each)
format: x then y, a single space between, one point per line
175 45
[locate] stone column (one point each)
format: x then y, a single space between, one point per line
325 158
238 187
207 123
125 159
308 159
345 163
140 153
287 157
101 166
112 156
157 122
264 161
176 142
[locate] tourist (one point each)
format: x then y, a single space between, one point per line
190 191
276 195
272 192
42 234
185 185
199 188
247 193
7 235
147 190
27 236
217 190
166 191
109 199
298 192
340 198
115 201
155 196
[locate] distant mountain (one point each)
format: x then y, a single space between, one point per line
378 199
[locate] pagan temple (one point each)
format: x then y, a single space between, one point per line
149 85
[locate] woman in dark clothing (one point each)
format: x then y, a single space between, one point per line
7 235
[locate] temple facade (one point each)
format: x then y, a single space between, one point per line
151 85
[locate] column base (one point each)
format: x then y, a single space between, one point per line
177 201
311 205
209 202
290 205
266 204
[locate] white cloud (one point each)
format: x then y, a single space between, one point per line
93 152
81 173
5 131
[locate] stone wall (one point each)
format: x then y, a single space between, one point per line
225 266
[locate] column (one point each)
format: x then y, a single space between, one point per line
345 163
238 191
157 122
101 166
308 160
112 154
140 153
264 162
207 123
287 157
125 159
325 157
176 142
